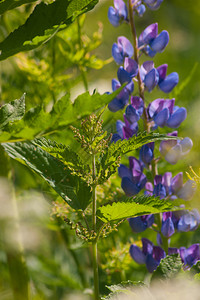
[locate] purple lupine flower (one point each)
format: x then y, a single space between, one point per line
149 75
150 255
140 9
122 98
173 150
146 153
133 178
151 41
124 130
174 187
164 113
129 71
191 255
135 110
118 13
167 83
167 227
184 191
139 224
123 48
186 220
153 4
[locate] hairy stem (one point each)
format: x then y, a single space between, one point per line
94 225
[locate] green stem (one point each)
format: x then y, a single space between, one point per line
136 57
81 68
94 227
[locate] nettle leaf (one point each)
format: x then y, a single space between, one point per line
125 287
169 267
12 111
134 207
42 24
10 4
110 156
71 188
66 155
36 122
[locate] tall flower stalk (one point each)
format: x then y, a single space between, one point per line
159 113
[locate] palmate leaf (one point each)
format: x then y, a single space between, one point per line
42 24
134 207
10 4
71 188
36 122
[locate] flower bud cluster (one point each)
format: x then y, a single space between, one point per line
159 113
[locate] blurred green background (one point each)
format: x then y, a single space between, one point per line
58 262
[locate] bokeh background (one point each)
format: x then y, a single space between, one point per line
58 263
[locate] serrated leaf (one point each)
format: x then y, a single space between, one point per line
169 267
12 111
125 287
109 160
10 4
42 24
134 207
71 188
36 122
66 155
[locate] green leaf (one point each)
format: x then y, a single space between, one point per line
42 24
125 287
134 207
126 146
66 155
71 188
115 150
169 267
10 4
12 111
36 122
